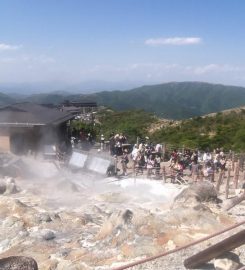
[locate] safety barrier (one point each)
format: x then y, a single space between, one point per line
90 161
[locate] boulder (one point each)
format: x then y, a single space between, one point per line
203 191
17 263
197 217
127 216
44 234
8 186
3 187
11 187
43 217
47 234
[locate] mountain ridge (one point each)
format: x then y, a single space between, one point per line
172 100
176 100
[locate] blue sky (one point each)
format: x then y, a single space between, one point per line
145 41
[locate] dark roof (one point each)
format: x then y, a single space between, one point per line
28 114
71 109
80 103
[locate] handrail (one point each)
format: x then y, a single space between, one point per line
179 248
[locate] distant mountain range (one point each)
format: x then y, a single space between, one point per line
175 100
85 87
5 99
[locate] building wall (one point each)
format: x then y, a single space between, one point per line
4 141
24 140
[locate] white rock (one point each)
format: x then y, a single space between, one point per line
4 245
227 261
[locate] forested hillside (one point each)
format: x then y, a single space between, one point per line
176 100
5 99
223 130
170 100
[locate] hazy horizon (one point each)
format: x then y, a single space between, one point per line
87 87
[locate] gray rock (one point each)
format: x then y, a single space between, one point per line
43 217
3 187
11 187
18 263
54 216
20 204
200 192
127 216
47 234
63 253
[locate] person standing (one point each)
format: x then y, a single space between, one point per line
194 170
150 165
134 155
124 162
157 164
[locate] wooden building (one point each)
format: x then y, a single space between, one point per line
78 108
28 127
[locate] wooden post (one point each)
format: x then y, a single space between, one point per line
236 175
242 163
212 176
163 151
137 141
232 161
221 174
164 174
214 251
228 183
115 165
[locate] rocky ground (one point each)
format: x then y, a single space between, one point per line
80 220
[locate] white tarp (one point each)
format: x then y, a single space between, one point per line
78 159
98 165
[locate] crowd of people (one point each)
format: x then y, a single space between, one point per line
117 143
146 156
200 164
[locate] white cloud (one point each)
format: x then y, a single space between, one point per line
38 67
152 72
173 41
8 47
25 59
215 68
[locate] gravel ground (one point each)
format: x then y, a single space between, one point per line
175 261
